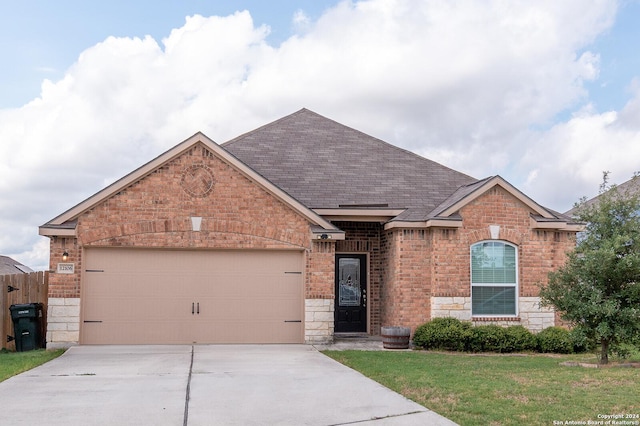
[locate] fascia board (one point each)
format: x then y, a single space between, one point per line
128 180
359 215
556 225
56 232
174 152
431 223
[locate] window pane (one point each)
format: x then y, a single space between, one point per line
493 263
487 300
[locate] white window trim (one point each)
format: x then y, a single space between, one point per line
517 283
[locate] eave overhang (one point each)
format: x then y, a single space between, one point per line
358 215
430 223
555 224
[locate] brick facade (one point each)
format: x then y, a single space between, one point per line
426 272
414 273
156 211
408 277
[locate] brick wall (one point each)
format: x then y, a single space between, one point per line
320 271
64 285
539 252
364 237
428 271
406 292
156 211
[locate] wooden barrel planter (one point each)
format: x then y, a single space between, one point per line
395 337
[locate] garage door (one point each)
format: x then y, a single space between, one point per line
143 296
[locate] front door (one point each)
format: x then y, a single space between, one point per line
351 293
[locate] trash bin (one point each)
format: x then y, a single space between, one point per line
28 326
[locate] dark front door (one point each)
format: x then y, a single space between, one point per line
351 293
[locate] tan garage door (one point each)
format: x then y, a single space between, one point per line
144 296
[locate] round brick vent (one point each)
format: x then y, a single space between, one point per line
197 180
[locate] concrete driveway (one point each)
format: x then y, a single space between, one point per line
203 385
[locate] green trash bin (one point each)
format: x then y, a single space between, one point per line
28 326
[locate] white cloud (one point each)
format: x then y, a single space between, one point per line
301 21
461 83
574 154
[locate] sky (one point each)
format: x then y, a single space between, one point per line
544 93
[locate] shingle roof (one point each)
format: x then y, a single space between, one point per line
630 187
458 195
9 266
324 164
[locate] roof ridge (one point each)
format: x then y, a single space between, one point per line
265 126
374 138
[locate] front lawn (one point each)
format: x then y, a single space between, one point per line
12 363
504 389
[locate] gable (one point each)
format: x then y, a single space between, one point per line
496 206
467 197
194 183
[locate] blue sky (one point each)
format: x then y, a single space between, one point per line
545 94
620 61
41 39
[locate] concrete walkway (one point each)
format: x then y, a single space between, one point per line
203 385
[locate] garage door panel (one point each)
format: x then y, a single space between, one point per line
129 333
171 296
245 331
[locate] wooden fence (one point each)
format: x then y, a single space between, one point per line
17 289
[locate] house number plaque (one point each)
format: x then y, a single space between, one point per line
65 268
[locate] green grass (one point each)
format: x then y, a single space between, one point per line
12 363
499 389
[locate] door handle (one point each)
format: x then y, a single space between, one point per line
198 308
192 308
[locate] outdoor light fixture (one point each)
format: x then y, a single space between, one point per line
324 237
65 253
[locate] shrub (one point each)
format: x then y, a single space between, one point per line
519 339
442 333
486 338
555 340
454 335
581 343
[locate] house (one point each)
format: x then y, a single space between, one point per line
295 232
8 266
628 188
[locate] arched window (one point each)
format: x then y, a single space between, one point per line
494 279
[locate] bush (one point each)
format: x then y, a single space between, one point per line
442 333
581 342
451 334
486 338
555 340
519 339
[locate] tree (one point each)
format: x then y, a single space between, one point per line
597 290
